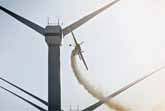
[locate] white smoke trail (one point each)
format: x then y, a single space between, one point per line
160 107
92 88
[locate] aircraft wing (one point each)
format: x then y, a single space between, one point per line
99 103
74 38
82 58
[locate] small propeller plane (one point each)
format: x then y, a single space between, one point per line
78 46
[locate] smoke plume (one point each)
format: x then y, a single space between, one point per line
92 88
159 107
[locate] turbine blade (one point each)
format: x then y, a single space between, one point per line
29 102
99 103
85 19
30 24
28 93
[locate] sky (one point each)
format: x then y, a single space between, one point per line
122 44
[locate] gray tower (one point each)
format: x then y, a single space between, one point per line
53 36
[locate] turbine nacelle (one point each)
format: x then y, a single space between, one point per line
53 35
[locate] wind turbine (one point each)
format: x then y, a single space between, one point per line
53 37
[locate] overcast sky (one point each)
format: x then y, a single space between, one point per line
121 44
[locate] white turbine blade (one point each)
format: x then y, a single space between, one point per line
99 103
30 24
85 19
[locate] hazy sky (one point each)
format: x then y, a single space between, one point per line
121 44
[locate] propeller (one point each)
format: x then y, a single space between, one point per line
27 101
81 43
101 102
28 93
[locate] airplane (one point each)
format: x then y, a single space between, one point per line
78 46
